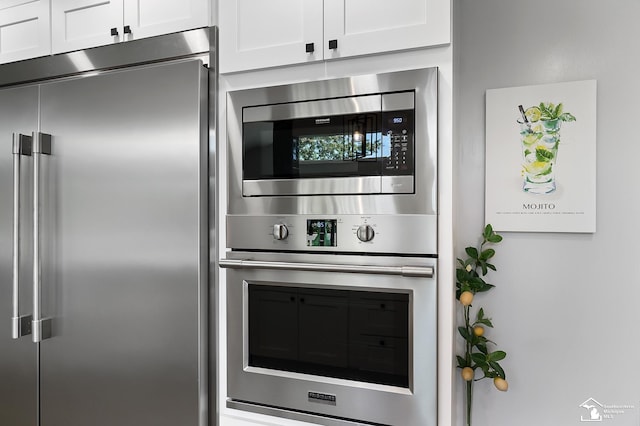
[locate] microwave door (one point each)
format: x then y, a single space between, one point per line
296 149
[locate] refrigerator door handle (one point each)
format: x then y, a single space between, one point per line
20 325
41 327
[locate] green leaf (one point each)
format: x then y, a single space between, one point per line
461 362
485 321
482 348
487 254
485 287
483 266
479 358
558 110
543 154
488 231
465 334
491 266
497 368
567 117
497 355
495 238
462 275
472 252
480 314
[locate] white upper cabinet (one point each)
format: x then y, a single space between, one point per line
148 18
24 29
80 24
361 27
259 34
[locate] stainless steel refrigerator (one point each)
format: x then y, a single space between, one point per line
104 248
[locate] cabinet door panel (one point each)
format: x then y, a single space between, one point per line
260 34
80 24
148 18
363 26
24 29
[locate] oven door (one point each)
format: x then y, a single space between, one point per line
332 339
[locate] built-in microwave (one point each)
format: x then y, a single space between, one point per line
348 145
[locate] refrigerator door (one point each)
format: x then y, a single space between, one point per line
124 248
18 357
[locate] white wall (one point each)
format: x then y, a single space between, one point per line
565 306
440 57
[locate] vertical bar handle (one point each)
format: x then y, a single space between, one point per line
41 327
20 325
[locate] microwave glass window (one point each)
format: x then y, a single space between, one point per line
316 147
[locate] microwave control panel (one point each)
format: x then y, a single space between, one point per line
398 127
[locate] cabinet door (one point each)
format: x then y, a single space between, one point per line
80 24
147 18
24 29
261 34
360 27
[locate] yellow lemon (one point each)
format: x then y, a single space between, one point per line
467 374
466 298
500 384
533 114
478 330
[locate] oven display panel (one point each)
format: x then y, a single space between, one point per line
322 232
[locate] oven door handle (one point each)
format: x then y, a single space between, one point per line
405 271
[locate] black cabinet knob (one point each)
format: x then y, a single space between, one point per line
127 29
114 31
309 48
333 44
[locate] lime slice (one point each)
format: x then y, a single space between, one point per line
538 167
531 138
533 114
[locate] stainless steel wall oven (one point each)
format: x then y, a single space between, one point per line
332 225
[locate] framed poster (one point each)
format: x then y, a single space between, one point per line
541 158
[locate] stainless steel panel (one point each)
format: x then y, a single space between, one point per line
405 271
123 271
398 101
424 201
334 186
143 51
355 401
326 107
18 358
408 234
209 384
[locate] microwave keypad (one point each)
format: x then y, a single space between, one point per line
399 130
399 151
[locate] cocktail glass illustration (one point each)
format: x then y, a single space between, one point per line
540 137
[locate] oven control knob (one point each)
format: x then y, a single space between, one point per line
280 231
365 233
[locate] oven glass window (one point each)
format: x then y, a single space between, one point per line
316 147
354 335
